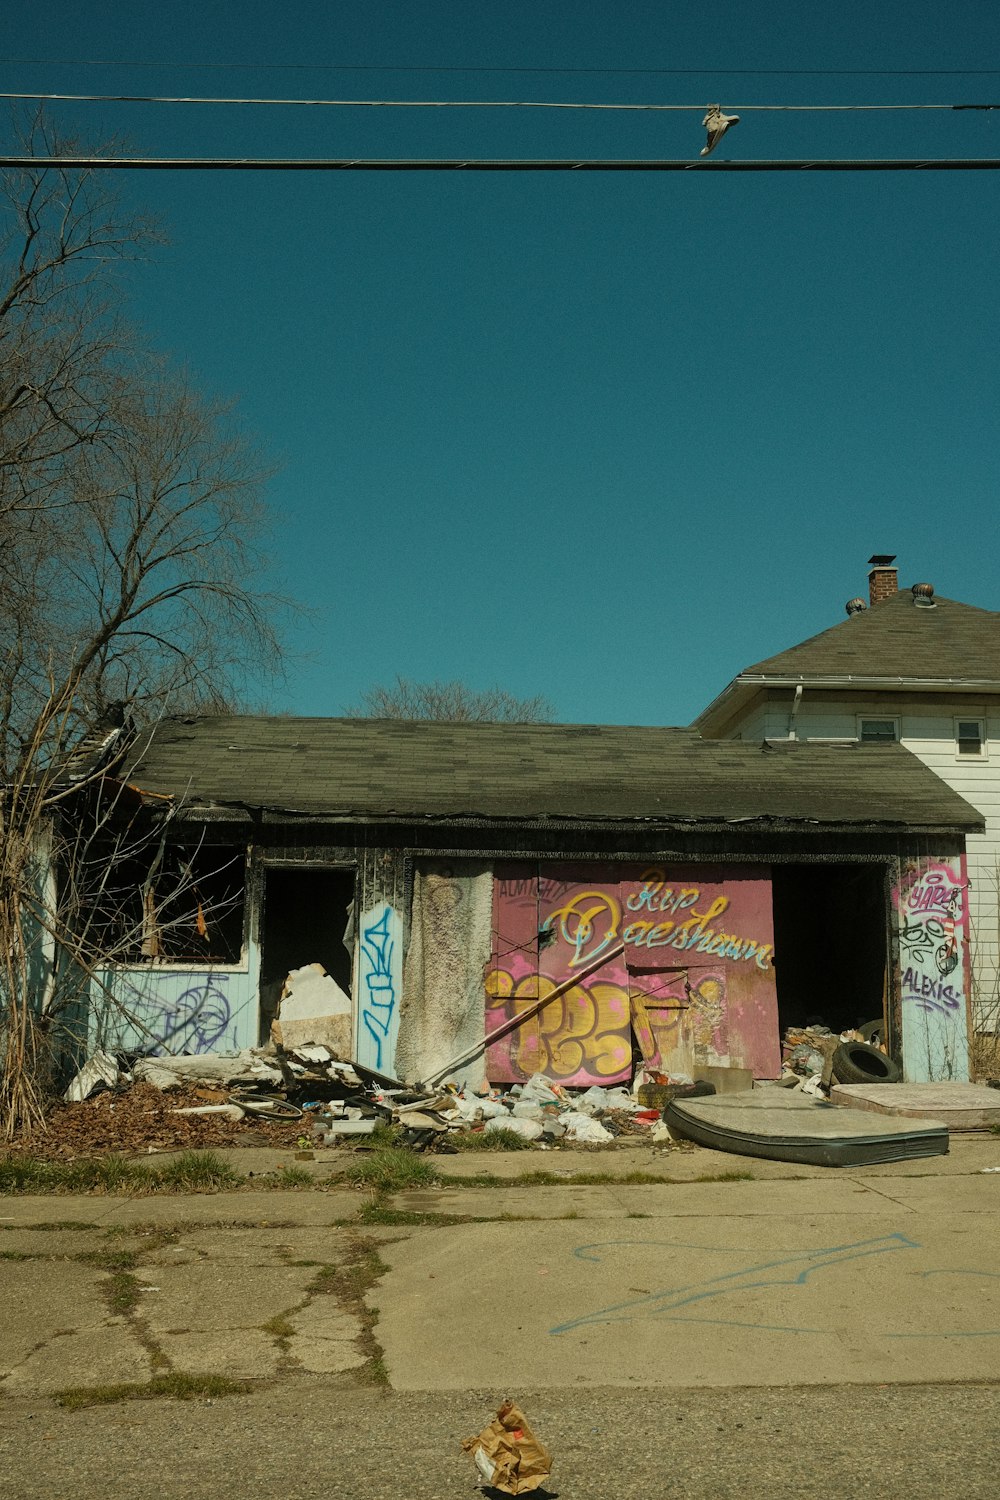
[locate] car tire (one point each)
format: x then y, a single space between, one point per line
856 1062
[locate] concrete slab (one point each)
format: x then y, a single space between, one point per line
839 1194
215 1295
53 1244
960 1106
717 1301
250 1208
326 1337
41 1302
248 1355
515 1202
95 1356
246 1245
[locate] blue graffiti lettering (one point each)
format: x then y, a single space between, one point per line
198 1019
378 946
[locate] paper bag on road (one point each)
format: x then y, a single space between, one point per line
507 1453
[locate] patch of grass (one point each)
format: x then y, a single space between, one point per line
278 1327
384 1134
500 1139
115 1175
376 1371
725 1177
110 1260
176 1385
292 1177
194 1170
15 1255
121 1292
390 1169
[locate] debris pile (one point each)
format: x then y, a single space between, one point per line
814 1057
142 1118
161 1103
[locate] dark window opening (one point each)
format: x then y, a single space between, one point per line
307 919
830 944
172 904
878 731
969 734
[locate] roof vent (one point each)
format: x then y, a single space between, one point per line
923 595
855 606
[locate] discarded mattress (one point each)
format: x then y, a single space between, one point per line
786 1125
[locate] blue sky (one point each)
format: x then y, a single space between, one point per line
606 437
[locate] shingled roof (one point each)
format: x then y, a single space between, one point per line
378 770
899 639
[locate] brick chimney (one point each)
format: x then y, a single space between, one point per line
883 580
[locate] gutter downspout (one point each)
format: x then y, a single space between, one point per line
794 711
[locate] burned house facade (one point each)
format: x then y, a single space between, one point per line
495 900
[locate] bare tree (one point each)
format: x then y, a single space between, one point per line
63 235
453 701
130 512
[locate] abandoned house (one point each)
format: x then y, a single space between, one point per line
495 900
907 667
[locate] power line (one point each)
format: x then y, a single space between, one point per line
468 103
353 164
259 67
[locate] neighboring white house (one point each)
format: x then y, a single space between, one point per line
905 666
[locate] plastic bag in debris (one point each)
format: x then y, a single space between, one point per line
593 1102
508 1455
529 1129
585 1129
541 1090
813 1085
527 1109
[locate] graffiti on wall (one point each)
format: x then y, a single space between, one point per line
653 953
161 1012
379 987
200 1017
932 927
590 922
932 905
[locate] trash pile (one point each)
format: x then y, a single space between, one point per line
814 1058
540 1112
334 1103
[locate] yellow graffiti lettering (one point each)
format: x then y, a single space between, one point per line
578 924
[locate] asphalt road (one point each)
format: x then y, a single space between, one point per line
315 1439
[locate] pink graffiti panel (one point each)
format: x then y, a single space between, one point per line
680 955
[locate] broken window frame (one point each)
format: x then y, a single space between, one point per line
173 905
867 737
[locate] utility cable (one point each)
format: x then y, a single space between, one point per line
353 164
466 103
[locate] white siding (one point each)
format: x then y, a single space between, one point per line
927 728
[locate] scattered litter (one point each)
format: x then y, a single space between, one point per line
99 1071
531 1130
989 1169
231 1111
508 1455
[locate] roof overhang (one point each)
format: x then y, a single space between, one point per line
744 688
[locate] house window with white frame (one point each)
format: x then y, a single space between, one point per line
878 731
970 738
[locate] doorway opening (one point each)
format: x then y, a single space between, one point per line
830 944
308 918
